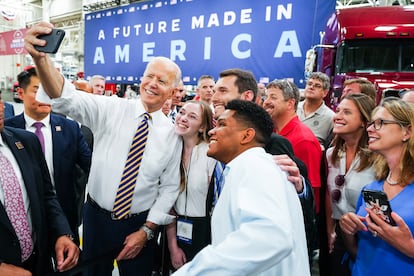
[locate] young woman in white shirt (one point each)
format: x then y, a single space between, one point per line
191 230
349 169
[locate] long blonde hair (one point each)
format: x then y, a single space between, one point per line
403 113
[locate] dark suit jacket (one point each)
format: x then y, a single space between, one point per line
48 219
69 149
280 145
8 110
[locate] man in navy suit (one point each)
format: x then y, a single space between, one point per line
8 110
49 227
64 147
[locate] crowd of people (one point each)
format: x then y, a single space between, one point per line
244 179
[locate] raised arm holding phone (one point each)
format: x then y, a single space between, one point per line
113 219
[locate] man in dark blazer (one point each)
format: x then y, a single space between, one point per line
67 147
49 227
8 110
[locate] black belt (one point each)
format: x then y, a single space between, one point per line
111 214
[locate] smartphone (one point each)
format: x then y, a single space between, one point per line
378 202
54 39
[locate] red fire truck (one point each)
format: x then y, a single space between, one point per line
376 43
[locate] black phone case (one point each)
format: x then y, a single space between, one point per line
54 39
378 202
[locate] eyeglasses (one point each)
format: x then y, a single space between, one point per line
378 123
314 85
285 85
336 193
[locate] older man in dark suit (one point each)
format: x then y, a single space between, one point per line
64 147
48 226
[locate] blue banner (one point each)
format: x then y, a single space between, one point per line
268 38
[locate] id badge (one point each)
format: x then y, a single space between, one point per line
184 230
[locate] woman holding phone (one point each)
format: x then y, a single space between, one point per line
384 249
350 167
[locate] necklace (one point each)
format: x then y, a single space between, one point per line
390 181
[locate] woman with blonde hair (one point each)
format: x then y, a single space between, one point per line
383 248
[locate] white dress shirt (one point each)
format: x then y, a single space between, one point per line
354 182
257 224
193 201
173 114
113 122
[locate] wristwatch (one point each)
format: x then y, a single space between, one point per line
150 233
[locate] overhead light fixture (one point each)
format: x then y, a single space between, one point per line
101 5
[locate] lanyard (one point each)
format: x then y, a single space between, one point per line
186 174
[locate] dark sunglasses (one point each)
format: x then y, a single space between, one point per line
337 193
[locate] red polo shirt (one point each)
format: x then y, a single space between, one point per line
307 148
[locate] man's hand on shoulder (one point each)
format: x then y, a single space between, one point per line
289 166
